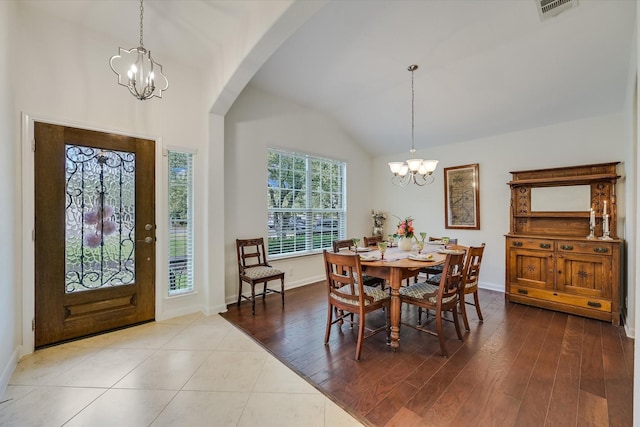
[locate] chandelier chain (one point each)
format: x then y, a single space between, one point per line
415 170
413 148
141 15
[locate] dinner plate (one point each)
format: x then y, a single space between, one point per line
365 249
435 242
420 257
450 251
369 257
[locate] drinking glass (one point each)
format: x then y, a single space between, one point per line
420 246
382 247
355 243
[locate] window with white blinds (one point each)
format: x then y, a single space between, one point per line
180 222
307 202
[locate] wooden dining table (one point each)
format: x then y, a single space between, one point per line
396 267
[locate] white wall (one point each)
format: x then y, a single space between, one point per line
255 122
11 301
594 140
62 75
259 120
259 41
631 197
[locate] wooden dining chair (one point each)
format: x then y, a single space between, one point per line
372 241
472 264
439 298
368 280
347 296
253 268
436 269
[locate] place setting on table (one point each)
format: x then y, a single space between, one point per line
385 251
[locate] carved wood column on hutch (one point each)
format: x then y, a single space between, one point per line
550 262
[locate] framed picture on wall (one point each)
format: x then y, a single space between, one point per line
462 197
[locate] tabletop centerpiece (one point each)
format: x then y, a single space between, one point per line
405 232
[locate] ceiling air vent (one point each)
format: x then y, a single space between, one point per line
549 8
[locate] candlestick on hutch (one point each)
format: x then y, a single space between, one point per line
605 228
592 224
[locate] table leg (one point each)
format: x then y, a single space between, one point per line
395 281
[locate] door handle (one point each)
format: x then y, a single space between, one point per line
147 240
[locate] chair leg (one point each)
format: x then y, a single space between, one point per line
463 309
282 290
240 293
360 335
477 300
253 299
456 322
329 320
443 348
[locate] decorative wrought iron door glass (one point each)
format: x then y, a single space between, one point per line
100 218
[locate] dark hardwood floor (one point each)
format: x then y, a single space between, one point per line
523 366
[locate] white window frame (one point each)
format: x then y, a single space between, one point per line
302 228
185 270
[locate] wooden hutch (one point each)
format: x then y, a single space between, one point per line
550 261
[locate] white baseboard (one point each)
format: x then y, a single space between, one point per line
491 286
8 370
630 331
288 286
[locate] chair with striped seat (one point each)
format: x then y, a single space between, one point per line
253 268
439 298
368 280
472 271
472 264
348 296
435 270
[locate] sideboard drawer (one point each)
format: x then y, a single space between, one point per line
599 304
592 248
527 243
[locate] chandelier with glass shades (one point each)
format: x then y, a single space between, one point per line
137 71
418 171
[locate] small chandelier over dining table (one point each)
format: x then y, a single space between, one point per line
137 70
418 171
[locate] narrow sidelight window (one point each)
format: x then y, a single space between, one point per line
180 222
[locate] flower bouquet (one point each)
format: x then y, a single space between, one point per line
405 228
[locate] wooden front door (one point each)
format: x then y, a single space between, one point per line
94 232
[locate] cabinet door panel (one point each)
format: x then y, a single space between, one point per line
585 275
531 268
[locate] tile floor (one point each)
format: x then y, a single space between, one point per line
190 371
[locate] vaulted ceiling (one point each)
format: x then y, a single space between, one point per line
485 67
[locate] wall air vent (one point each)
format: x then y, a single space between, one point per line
550 8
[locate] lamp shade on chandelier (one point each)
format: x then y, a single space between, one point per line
137 70
418 171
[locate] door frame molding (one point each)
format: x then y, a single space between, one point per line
28 218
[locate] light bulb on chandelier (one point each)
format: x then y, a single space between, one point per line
418 171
